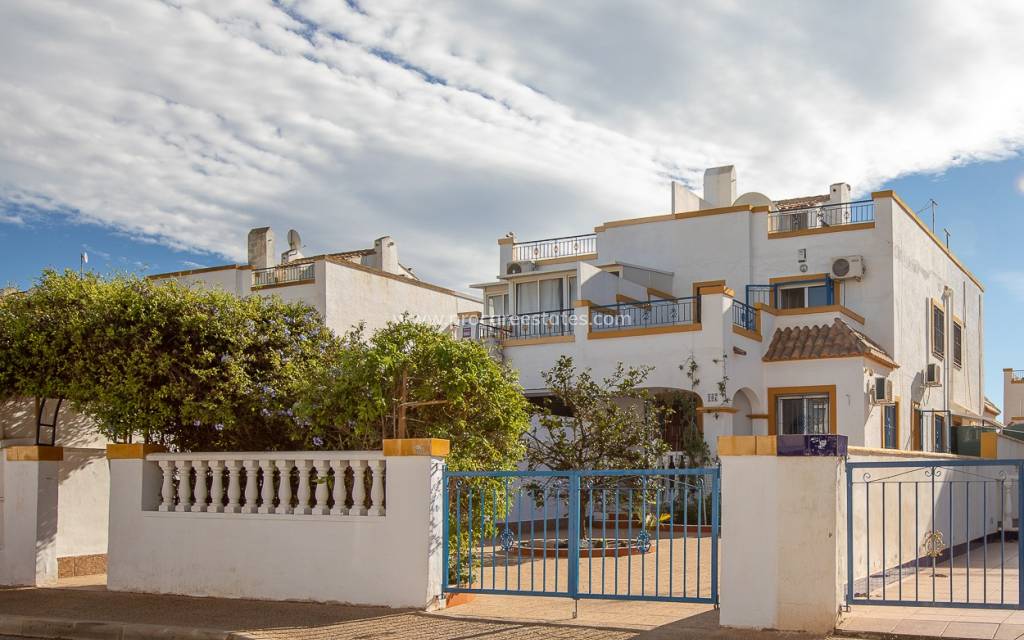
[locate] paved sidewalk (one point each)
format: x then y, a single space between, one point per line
937 622
83 608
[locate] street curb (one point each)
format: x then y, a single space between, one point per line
882 635
70 629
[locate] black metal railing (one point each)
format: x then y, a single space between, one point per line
542 324
828 215
283 274
744 316
638 315
555 247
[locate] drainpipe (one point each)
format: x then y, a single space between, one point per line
947 383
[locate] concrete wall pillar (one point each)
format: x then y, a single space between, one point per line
781 526
29 545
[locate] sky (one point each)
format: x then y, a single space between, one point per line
153 134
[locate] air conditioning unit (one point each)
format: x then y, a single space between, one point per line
881 390
520 267
933 375
847 267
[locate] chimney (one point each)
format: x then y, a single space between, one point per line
683 199
261 248
387 255
720 186
839 193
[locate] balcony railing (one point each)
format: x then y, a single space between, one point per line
543 324
639 315
555 248
829 215
744 316
283 274
1017 375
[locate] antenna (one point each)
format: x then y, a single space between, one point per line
933 204
946 231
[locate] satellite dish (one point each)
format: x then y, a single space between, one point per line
294 241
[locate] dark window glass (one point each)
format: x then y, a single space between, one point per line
957 345
938 332
794 298
803 415
817 296
940 432
890 435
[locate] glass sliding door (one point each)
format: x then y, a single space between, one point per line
805 414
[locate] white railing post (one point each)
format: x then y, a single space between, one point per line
167 488
184 485
267 490
234 487
340 491
200 505
321 488
303 506
377 488
358 488
216 487
284 491
251 483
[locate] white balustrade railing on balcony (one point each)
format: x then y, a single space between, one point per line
315 483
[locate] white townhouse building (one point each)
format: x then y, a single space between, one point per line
366 285
807 315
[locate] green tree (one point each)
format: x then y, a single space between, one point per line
197 369
609 423
417 374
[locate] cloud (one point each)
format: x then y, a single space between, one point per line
188 122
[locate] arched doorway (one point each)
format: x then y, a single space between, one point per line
744 402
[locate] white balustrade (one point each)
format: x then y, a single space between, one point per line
319 486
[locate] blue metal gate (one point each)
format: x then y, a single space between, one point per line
649 534
935 533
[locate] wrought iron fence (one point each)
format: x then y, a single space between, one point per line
744 315
653 313
829 215
283 274
759 294
541 324
555 247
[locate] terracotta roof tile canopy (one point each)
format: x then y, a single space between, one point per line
837 340
802 202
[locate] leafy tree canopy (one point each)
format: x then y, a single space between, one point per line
446 388
590 423
194 368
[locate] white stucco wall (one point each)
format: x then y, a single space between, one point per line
392 560
83 495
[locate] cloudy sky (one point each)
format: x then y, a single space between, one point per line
164 130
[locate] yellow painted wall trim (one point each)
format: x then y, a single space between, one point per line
803 277
191 272
566 259
582 302
757 416
707 286
989 445
802 311
659 293
775 392
760 208
901 453
889 193
858 226
34 453
469 314
541 340
716 410
622 299
436 447
747 333
136 451
643 331
700 213
747 446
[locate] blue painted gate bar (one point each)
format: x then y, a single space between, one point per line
646 534
935 533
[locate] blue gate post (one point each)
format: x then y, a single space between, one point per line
1020 538
444 528
716 483
574 535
